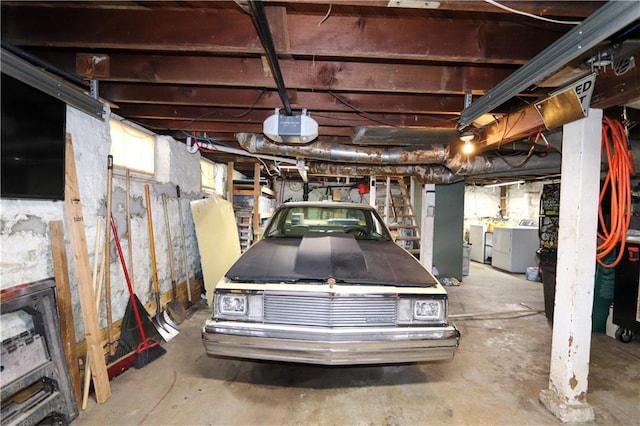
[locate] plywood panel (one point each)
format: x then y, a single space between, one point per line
217 236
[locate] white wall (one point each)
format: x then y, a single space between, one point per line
481 204
25 246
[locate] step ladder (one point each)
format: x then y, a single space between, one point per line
394 205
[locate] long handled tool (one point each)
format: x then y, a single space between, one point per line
184 248
107 254
166 331
174 306
129 340
149 349
129 233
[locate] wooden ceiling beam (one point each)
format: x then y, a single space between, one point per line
241 115
258 98
612 90
225 127
578 9
230 139
231 32
298 74
417 39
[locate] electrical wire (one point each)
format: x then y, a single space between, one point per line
264 90
326 16
198 139
530 15
529 154
618 184
370 117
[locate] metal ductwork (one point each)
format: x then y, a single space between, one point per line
461 165
424 174
256 143
432 165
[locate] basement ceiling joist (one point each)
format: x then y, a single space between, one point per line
369 72
225 32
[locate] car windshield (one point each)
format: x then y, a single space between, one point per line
297 221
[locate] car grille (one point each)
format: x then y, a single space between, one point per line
330 311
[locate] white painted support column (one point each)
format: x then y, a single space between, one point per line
372 191
575 276
427 225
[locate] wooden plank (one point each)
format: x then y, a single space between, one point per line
246 97
75 223
65 307
375 35
300 74
230 193
256 197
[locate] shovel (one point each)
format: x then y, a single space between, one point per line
166 331
184 248
174 306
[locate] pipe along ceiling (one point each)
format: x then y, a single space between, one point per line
435 164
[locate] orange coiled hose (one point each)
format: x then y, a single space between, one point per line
618 179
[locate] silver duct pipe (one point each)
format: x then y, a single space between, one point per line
257 144
425 164
462 165
424 174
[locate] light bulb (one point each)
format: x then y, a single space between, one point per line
468 148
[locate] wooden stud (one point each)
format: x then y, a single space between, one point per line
75 223
230 182
65 307
256 198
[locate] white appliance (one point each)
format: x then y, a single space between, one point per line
480 243
514 248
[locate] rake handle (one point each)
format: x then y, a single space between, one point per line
154 267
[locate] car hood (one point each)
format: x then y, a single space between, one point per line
319 257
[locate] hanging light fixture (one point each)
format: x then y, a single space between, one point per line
467 138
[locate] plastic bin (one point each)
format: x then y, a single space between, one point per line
466 258
547 262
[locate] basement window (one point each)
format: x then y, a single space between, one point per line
132 148
211 176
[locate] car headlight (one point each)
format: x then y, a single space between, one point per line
415 311
238 306
233 305
427 310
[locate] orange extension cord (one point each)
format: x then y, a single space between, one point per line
618 178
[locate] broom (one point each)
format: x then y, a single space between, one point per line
149 349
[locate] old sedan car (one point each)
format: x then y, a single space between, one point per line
327 285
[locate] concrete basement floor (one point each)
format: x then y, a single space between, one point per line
495 378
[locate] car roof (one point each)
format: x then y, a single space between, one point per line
329 204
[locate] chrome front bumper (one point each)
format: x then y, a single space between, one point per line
329 346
